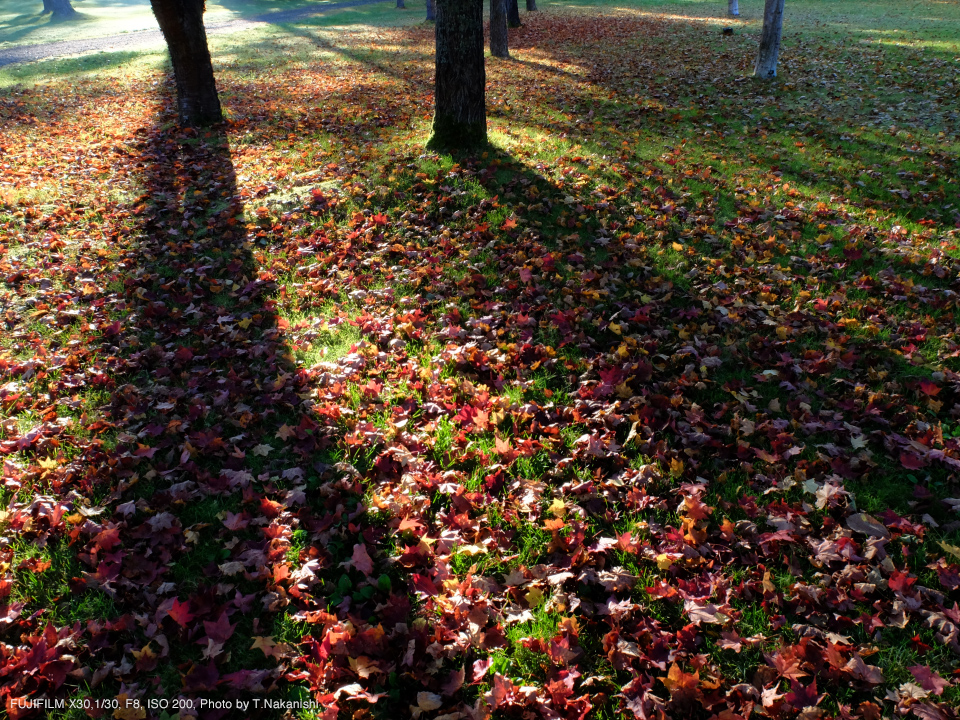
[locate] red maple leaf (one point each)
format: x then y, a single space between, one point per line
911 461
929 679
788 663
221 630
180 612
107 538
901 582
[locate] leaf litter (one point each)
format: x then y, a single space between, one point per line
626 425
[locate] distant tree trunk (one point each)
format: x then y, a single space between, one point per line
181 22
431 14
460 118
513 14
59 8
766 67
401 5
733 7
498 29
531 5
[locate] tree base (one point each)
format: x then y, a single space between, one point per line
451 134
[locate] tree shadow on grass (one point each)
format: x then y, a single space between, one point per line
227 501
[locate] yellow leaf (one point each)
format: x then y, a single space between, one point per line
49 464
783 332
471 550
664 562
952 549
678 247
676 466
534 596
245 323
557 508
616 329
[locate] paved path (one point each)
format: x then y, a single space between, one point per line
145 39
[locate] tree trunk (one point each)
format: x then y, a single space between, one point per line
498 29
460 119
60 8
733 7
181 22
513 14
401 5
531 5
431 14
766 67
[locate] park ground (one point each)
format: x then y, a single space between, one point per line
650 407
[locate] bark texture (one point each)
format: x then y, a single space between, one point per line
181 22
60 8
531 5
733 7
513 14
499 46
431 13
460 119
766 67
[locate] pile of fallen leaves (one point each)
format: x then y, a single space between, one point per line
292 412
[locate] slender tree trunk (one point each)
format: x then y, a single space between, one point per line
431 14
498 29
181 22
460 118
513 14
766 67
401 5
531 5
60 8
733 7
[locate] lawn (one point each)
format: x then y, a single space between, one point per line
24 23
651 408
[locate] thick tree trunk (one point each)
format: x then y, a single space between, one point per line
460 118
59 8
733 7
181 22
531 5
498 29
431 13
766 67
513 14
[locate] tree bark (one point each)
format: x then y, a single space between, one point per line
181 22
460 119
733 7
531 5
513 14
766 67
60 8
499 46
431 14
